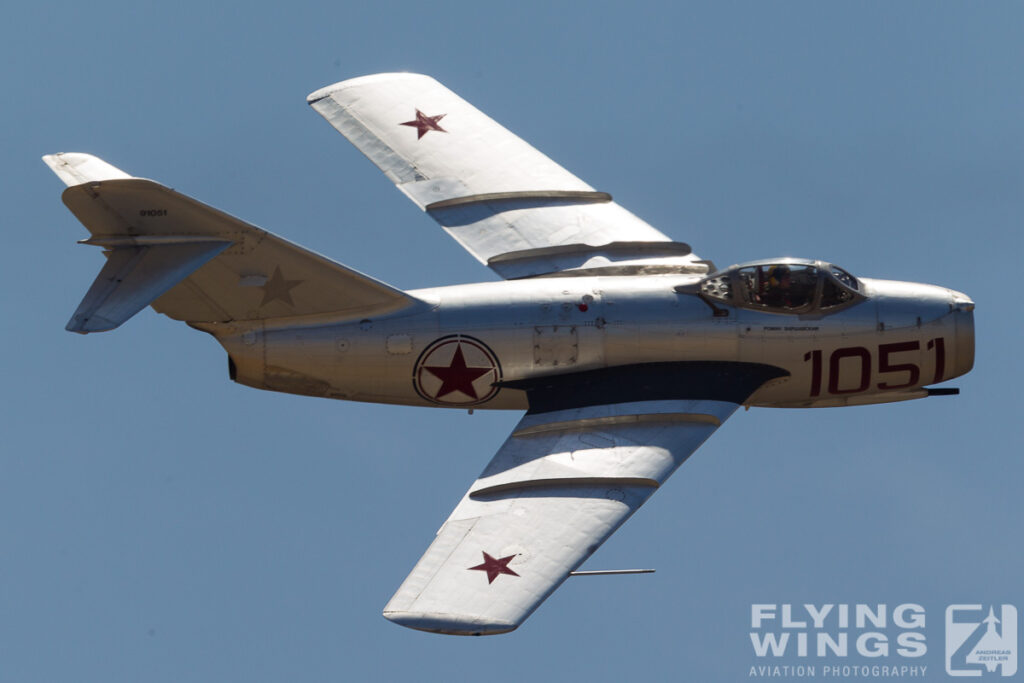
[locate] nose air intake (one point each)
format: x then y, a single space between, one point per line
963 316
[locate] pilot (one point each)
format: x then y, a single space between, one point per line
778 290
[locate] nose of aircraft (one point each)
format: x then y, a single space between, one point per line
910 304
963 319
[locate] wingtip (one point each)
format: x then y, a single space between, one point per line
329 90
450 624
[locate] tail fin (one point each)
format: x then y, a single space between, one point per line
75 169
194 263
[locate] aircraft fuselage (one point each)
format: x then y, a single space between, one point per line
456 348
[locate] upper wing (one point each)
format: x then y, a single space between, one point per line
509 205
575 468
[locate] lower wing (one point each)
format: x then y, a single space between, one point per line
573 470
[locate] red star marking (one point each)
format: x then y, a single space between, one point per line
494 567
457 377
279 288
424 124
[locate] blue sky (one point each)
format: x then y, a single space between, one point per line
161 523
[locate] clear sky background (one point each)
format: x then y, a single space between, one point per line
160 523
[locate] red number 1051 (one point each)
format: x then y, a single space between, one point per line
888 364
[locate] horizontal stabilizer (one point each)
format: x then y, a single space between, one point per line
133 277
195 263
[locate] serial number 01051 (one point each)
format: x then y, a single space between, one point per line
889 363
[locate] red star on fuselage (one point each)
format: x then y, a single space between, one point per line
494 567
424 124
456 376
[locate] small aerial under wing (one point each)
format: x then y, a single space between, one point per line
508 204
591 450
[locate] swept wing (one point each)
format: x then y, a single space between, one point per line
579 463
509 205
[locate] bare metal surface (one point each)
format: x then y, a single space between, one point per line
628 355
574 195
610 572
591 423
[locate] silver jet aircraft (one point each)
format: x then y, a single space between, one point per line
625 349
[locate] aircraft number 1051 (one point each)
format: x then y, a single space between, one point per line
858 364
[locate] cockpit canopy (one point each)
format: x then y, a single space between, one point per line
783 286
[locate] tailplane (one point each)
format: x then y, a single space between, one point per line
195 263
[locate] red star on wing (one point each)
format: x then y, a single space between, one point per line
494 567
424 124
457 377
